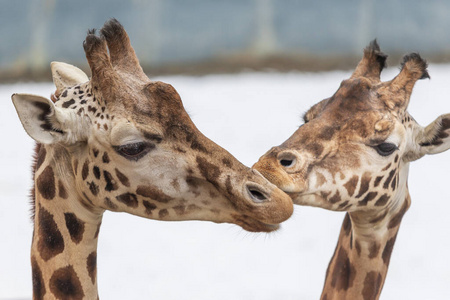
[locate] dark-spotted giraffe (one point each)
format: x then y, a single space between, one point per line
353 154
121 142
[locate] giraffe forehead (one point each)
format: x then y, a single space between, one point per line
354 97
330 131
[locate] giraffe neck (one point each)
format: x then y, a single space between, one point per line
360 262
64 246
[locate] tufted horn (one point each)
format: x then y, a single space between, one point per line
103 74
121 52
396 93
372 63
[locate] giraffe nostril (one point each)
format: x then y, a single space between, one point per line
256 195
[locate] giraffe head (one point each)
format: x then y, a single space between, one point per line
131 146
352 153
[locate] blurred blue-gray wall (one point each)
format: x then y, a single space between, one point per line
183 32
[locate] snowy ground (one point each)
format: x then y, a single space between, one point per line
246 114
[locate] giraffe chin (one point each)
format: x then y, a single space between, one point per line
253 225
311 199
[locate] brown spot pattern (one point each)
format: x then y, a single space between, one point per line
374 250
320 179
62 190
196 145
382 200
111 205
154 193
46 183
91 265
394 183
347 225
336 198
386 168
37 279
387 251
343 273
149 207
96 172
75 227
388 180
93 187
85 170
369 197
226 162
128 199
180 209
343 204
327 133
377 181
97 231
208 170
229 186
192 182
358 247
65 284
41 154
105 158
315 149
192 207
68 103
163 213
51 242
122 178
372 285
365 181
111 184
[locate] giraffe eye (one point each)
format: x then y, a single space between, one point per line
134 151
386 149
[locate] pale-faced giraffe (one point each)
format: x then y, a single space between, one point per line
123 143
353 154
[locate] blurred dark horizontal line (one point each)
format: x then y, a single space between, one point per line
230 65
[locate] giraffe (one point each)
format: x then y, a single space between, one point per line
352 154
120 142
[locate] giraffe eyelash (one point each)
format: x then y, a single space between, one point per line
134 151
386 149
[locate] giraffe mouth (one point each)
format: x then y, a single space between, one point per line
250 224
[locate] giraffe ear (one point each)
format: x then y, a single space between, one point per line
65 75
435 138
315 110
48 124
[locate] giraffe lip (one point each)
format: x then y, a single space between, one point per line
294 194
253 225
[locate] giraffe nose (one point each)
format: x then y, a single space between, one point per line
288 159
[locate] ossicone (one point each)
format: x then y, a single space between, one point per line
415 64
372 63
